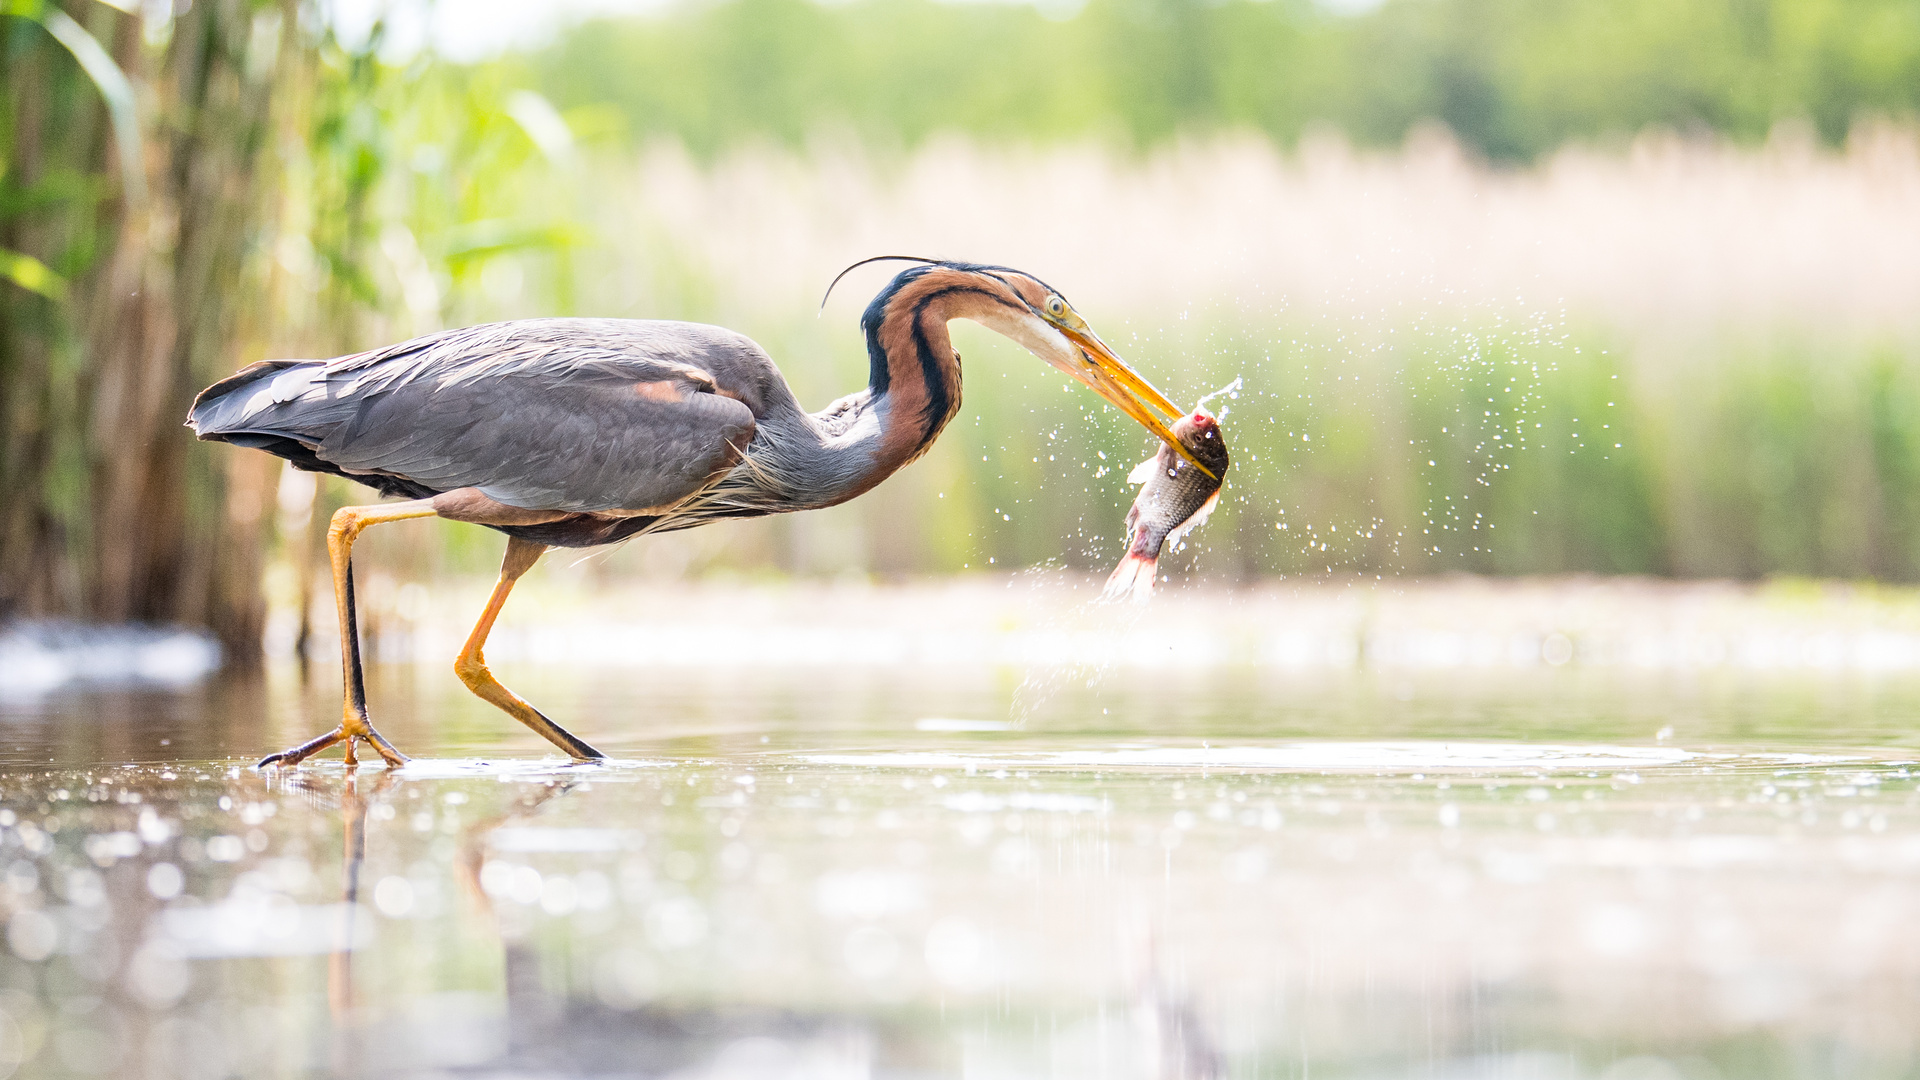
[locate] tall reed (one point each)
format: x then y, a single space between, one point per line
133 162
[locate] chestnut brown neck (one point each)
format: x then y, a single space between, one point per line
915 372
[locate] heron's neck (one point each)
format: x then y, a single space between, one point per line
914 372
913 385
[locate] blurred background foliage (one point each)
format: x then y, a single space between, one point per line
1512 79
1510 286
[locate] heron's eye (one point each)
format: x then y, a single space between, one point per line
1056 306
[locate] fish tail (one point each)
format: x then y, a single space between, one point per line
1133 577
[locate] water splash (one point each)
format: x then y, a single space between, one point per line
1232 390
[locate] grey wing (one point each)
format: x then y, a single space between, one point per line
577 446
571 415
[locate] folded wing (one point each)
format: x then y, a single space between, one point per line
578 415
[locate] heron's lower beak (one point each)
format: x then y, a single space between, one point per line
1111 378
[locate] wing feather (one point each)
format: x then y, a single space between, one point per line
579 415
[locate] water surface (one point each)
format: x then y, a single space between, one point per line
973 871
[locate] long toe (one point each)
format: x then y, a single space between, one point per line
294 755
385 749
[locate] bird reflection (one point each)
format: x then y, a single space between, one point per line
534 1019
1169 1024
569 1029
353 816
358 793
584 987
474 839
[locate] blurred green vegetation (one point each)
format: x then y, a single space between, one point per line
1439 446
132 176
1511 78
308 197
182 194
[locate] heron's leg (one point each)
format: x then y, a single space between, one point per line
472 665
354 725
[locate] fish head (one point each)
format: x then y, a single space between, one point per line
1205 444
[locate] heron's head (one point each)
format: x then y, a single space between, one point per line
1020 306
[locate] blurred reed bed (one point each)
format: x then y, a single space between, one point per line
1685 358
182 193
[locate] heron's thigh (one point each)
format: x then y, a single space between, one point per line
471 505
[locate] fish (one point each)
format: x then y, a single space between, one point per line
1176 498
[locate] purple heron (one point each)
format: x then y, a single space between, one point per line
580 432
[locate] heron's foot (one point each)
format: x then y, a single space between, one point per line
354 729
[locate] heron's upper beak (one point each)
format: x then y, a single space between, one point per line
1110 377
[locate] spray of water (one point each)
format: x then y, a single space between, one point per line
1232 390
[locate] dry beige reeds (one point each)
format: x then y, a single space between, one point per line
1671 235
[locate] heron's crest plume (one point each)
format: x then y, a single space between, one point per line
874 259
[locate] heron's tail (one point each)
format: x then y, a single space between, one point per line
251 408
1133 577
229 406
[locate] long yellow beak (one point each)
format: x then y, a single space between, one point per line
1111 378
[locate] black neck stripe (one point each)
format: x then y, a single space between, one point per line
941 396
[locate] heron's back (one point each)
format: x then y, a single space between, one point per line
576 415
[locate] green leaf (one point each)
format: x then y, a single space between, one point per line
498 236
543 124
31 274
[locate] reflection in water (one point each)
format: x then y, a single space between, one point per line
353 855
951 901
350 918
608 1030
1173 1026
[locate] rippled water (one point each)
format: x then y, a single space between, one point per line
973 872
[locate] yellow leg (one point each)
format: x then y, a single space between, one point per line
472 664
354 725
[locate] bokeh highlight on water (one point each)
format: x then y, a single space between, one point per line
1569 865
